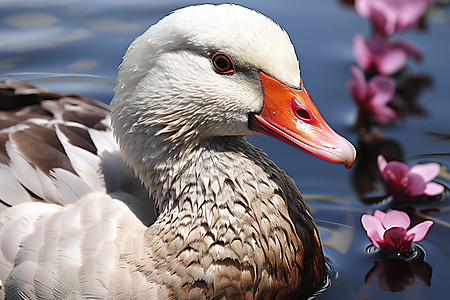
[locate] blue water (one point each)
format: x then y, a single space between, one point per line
76 46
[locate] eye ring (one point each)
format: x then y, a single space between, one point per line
222 63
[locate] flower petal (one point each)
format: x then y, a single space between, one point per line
385 114
379 215
396 218
410 14
382 163
433 189
373 228
383 19
362 7
420 231
427 171
397 239
394 236
409 48
357 85
363 56
391 61
383 88
399 169
416 185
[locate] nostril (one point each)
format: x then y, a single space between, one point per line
302 113
300 110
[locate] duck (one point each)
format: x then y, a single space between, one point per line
159 195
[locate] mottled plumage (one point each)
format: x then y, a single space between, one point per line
213 217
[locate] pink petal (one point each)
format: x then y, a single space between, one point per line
416 185
433 189
383 19
379 215
410 14
373 228
357 85
383 88
427 171
396 218
394 236
408 48
378 44
382 163
395 173
391 61
398 168
363 56
396 240
385 115
362 7
420 231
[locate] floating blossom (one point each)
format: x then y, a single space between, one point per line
405 183
388 231
381 56
389 16
372 97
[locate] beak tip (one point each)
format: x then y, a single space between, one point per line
352 151
348 164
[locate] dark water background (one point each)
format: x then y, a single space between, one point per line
76 46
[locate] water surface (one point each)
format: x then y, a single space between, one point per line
76 46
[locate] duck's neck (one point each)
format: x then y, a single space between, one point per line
225 208
218 172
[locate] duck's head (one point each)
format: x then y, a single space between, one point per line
206 71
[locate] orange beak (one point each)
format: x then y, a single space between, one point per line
290 115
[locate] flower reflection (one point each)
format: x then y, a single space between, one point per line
365 175
396 274
382 56
409 88
388 231
348 3
389 16
406 183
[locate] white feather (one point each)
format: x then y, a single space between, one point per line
70 186
23 170
84 163
48 187
103 140
11 191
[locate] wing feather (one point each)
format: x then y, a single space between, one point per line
11 191
70 186
84 162
23 170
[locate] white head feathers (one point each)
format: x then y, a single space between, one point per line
168 88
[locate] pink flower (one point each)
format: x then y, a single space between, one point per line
405 183
388 231
381 56
372 97
389 16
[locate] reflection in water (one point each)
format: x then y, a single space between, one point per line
335 235
396 274
365 176
409 88
79 38
348 3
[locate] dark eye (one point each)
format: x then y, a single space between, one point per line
222 63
